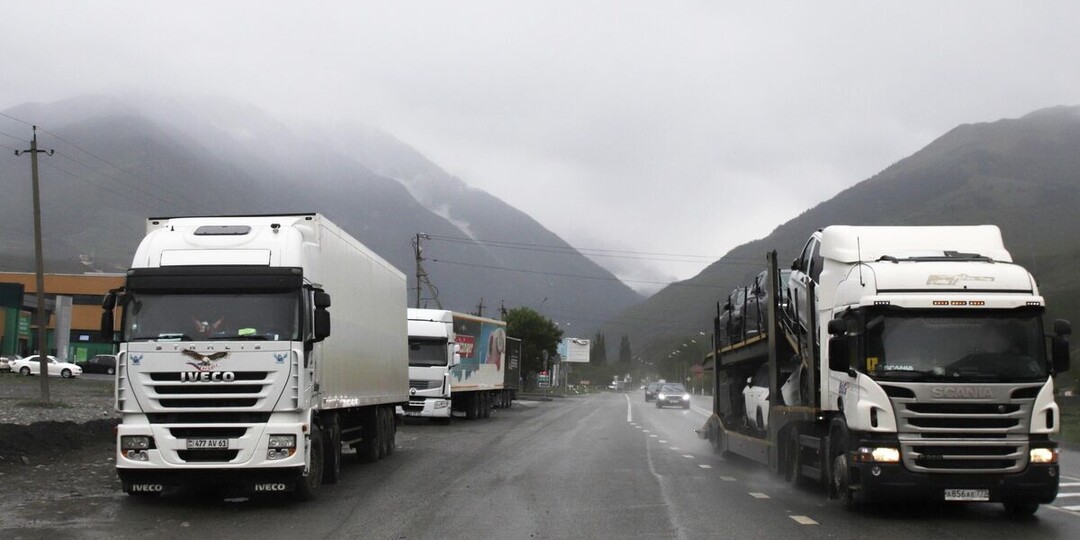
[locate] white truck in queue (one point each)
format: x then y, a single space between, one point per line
915 364
459 362
228 372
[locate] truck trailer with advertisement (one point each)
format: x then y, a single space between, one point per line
459 363
235 368
908 362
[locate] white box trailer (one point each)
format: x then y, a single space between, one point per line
236 368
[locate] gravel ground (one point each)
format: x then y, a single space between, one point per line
80 412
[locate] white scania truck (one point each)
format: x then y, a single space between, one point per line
228 371
922 367
459 362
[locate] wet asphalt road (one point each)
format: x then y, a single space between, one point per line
603 466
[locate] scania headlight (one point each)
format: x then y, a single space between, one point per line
1044 455
881 454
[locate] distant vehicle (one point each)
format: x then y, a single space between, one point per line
5 363
31 365
672 394
650 391
102 363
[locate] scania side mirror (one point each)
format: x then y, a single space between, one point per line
838 353
1062 327
1059 351
837 327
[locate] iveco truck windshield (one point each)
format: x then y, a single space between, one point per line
954 346
158 316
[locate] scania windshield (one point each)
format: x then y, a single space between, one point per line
270 316
956 346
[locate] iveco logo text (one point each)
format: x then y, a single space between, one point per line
147 488
972 392
271 487
207 376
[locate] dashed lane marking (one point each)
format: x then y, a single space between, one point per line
1073 508
1061 495
727 478
758 495
688 456
803 520
673 447
704 466
653 436
662 441
1069 484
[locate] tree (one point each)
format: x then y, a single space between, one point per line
624 350
598 351
538 334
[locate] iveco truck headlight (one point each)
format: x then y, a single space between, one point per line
882 454
281 447
134 447
1044 455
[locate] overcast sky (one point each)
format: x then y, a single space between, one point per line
660 127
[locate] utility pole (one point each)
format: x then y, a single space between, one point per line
421 274
42 318
502 309
480 308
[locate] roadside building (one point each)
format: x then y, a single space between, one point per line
72 302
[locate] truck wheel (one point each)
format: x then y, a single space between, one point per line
382 431
472 407
391 433
485 405
841 482
1021 509
307 486
332 451
368 447
793 471
716 437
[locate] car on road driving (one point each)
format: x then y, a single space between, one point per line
650 391
31 365
102 363
673 394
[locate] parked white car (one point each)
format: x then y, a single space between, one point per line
756 395
31 364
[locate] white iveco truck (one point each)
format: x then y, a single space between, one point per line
459 362
922 367
228 371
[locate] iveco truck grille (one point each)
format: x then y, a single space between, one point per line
230 390
962 428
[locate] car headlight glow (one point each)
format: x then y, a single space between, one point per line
881 454
661 396
1044 455
686 397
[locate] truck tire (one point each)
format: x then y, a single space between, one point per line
382 431
716 438
391 434
794 457
332 451
472 406
308 486
367 450
485 405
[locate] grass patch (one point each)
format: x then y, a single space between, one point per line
43 404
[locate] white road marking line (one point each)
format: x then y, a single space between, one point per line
1071 478
704 466
629 416
727 478
1060 495
803 520
758 495
661 441
1069 484
673 447
688 456
644 431
1073 508
653 436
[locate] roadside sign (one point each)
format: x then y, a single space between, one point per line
543 380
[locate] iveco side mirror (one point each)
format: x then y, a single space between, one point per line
109 302
322 324
322 300
107 325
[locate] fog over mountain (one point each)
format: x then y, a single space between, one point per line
120 160
1021 174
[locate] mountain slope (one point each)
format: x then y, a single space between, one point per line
152 156
1020 174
